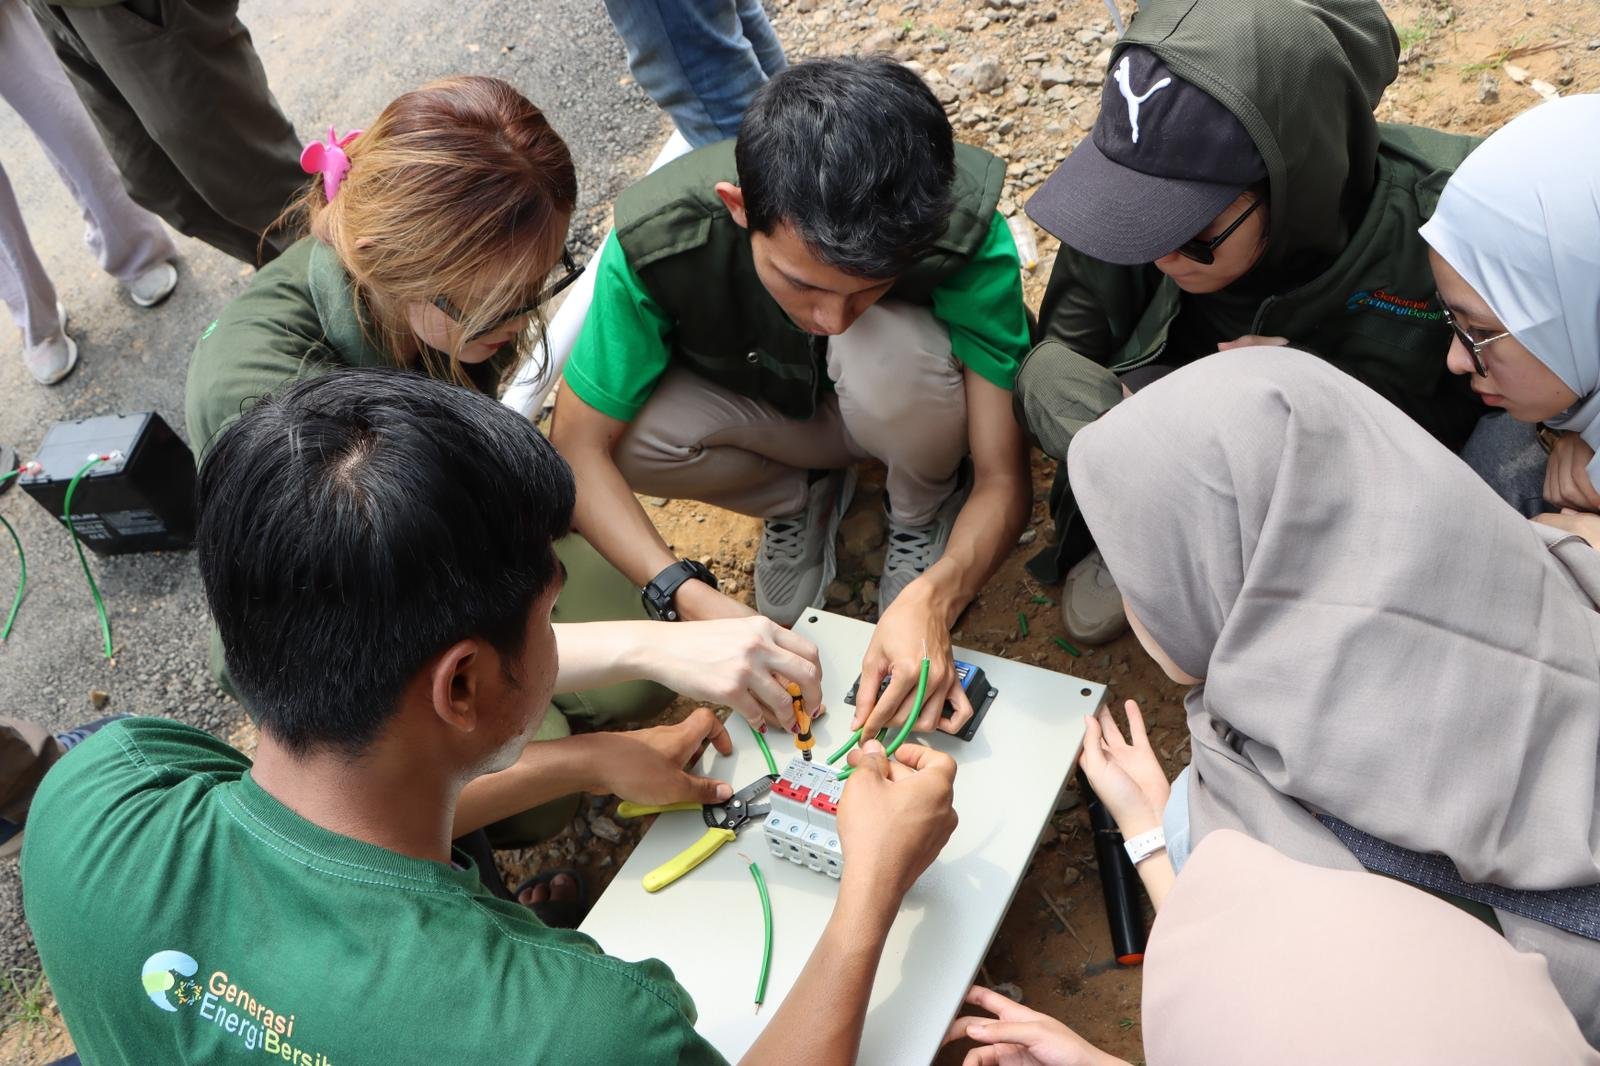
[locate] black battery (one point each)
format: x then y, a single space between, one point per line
140 500
974 682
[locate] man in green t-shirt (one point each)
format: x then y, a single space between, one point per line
834 285
376 548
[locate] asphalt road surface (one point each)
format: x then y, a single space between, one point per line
328 63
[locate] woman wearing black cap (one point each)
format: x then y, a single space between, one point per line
1236 190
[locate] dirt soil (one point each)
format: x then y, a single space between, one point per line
1467 66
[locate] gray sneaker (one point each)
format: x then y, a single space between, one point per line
798 557
912 549
1091 606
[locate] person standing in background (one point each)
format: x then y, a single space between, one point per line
700 62
182 102
129 243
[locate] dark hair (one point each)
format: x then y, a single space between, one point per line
359 522
856 154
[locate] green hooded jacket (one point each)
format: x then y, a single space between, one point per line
1344 275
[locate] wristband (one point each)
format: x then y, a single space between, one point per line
1145 845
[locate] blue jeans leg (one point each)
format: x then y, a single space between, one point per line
701 61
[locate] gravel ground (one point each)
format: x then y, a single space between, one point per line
328 63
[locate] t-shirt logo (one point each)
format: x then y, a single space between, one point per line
160 976
1135 100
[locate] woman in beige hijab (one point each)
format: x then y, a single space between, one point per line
1385 658
1258 960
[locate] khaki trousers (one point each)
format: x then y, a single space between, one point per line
898 397
27 750
181 99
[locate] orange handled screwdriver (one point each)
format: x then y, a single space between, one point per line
802 721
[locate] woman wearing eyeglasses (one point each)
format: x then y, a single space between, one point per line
432 241
1236 189
1515 246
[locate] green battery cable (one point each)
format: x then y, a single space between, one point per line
911 720
66 516
22 565
766 940
766 752
22 581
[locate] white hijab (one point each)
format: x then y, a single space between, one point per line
1520 222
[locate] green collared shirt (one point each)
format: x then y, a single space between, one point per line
300 316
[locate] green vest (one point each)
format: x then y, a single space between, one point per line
696 262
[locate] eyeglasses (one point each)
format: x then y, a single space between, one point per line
1204 251
1468 341
572 272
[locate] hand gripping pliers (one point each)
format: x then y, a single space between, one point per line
723 822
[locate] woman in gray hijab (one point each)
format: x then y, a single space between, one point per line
1388 662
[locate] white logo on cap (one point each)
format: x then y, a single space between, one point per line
1135 100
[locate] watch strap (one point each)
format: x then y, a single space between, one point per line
1145 845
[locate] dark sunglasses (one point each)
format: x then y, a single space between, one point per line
1204 251
572 271
1473 346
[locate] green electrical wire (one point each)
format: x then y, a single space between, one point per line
911 719
22 581
22 563
844 748
766 752
766 944
66 516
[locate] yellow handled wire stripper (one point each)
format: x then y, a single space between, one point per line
723 822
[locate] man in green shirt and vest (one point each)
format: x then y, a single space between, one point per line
834 285
377 550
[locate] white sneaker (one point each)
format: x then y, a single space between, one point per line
154 285
798 558
53 358
1091 606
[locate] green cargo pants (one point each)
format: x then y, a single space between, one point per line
182 102
595 592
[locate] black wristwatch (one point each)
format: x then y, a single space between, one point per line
664 586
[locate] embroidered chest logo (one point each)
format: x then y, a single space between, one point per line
1135 100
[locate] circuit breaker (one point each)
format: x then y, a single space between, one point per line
803 824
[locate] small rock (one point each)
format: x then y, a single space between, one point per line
1028 536
1008 207
1006 126
655 501
1488 89
861 531
1517 74
607 830
1087 37
99 700
982 22
879 41
987 75
1103 60
945 93
731 588
805 6
869 592
838 593
1068 800
1050 77
1594 45
1545 89
1071 876
938 47
960 74
996 5
1009 990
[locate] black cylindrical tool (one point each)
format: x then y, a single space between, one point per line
1119 881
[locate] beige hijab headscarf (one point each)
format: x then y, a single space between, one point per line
1258 960
1381 638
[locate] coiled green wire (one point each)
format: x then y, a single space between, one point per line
905 730
766 944
66 516
22 563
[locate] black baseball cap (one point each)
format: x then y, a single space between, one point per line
1164 159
